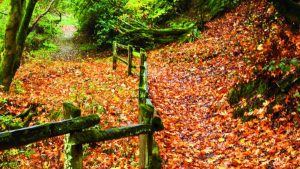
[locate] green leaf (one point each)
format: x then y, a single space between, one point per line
283 67
294 62
283 60
271 68
297 95
272 62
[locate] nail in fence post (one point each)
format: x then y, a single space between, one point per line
73 153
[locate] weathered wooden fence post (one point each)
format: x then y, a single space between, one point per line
148 116
145 142
73 153
115 55
142 92
130 50
143 56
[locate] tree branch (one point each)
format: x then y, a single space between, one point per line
3 13
40 16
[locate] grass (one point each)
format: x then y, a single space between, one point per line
87 47
40 54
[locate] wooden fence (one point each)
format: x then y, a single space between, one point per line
149 151
130 55
73 125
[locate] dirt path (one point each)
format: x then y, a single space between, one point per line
68 46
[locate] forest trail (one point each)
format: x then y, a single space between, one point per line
68 46
189 84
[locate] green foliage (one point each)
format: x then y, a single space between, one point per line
155 11
100 19
49 24
18 86
140 8
29 153
190 35
283 66
4 6
50 46
40 54
248 90
54 115
7 157
69 20
296 96
87 47
47 28
106 20
216 6
9 122
3 100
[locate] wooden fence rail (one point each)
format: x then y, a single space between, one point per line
23 136
75 136
128 62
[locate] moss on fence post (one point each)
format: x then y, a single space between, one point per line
146 111
130 50
145 141
143 83
73 153
115 55
142 100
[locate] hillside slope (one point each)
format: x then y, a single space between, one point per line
189 86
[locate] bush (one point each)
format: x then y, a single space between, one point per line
46 28
100 19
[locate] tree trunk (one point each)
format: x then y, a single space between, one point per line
15 36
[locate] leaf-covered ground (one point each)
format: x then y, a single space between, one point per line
189 84
95 88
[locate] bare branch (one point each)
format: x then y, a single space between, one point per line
40 16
